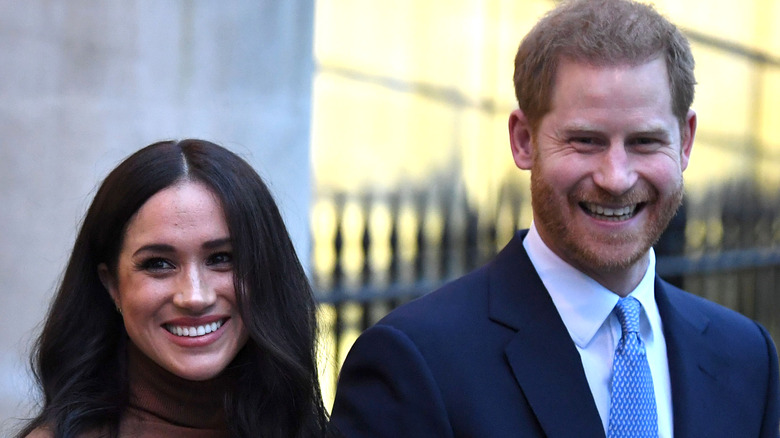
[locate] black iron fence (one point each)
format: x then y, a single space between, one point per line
381 251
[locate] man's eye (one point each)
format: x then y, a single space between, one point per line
587 144
644 141
584 140
588 141
648 144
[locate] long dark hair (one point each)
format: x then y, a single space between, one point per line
79 360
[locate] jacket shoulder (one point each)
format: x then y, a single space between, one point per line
700 309
455 303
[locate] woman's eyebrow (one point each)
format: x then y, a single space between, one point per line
216 243
155 247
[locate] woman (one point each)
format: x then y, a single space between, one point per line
183 310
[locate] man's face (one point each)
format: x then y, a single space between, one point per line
606 167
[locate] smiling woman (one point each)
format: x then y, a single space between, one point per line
183 311
174 282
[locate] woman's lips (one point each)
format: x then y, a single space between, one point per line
193 331
189 327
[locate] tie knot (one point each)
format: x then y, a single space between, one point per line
628 314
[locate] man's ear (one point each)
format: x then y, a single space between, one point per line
109 282
520 139
688 134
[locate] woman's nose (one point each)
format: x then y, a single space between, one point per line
193 292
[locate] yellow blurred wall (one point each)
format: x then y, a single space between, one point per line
407 91
406 88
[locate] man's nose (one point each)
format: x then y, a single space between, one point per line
615 172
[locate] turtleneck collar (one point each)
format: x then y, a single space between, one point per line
159 396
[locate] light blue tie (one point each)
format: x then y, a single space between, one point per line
632 411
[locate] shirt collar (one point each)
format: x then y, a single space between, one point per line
581 301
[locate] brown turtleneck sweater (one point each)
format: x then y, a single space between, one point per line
165 405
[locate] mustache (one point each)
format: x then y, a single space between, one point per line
639 194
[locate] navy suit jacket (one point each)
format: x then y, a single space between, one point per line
488 356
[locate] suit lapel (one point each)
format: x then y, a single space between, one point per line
547 366
692 364
542 356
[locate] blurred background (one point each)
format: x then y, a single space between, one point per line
413 180
381 128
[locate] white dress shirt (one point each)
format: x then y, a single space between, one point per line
586 308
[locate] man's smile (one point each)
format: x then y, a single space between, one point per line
611 213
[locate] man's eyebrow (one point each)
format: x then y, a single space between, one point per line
651 132
578 131
582 129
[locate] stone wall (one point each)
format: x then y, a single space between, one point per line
84 83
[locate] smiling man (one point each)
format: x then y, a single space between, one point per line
568 331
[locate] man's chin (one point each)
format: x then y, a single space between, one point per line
613 256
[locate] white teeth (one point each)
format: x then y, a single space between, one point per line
611 214
193 331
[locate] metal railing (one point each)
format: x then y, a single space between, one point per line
385 251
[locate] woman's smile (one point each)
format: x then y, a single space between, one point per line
174 283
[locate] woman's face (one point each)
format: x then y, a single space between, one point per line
174 283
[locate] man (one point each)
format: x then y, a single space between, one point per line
568 331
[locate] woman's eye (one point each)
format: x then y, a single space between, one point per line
155 264
221 258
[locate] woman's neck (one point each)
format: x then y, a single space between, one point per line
165 396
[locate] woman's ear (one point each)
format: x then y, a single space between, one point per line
109 282
520 139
